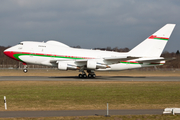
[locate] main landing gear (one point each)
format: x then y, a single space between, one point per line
87 76
91 74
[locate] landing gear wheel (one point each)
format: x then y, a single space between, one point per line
89 76
93 75
25 70
80 75
84 76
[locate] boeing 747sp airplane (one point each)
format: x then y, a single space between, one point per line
53 53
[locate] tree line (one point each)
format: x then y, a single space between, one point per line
175 63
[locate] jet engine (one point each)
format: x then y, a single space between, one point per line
65 66
62 66
91 64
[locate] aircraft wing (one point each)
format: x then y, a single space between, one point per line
107 59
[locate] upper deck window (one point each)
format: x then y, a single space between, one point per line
20 43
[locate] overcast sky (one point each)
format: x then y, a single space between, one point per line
88 23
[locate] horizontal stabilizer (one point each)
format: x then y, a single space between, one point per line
155 59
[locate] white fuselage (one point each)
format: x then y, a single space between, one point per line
48 53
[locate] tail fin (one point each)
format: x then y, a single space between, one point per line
153 45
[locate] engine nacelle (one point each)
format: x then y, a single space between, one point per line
91 64
62 66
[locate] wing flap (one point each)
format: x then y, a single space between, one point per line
55 60
120 58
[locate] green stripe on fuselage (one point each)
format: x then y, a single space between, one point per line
17 56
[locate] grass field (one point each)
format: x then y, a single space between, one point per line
82 95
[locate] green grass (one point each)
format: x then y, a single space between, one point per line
81 95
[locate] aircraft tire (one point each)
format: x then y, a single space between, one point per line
84 76
80 75
93 75
25 70
89 76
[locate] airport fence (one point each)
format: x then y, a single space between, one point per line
20 66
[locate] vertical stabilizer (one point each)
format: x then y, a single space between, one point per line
154 45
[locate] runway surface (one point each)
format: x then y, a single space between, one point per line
15 114
8 114
75 78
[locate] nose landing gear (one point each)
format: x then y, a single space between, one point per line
25 70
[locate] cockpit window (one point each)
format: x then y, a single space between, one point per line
20 43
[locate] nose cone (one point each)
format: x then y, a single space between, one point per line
6 52
9 53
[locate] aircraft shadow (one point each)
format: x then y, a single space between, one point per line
97 77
